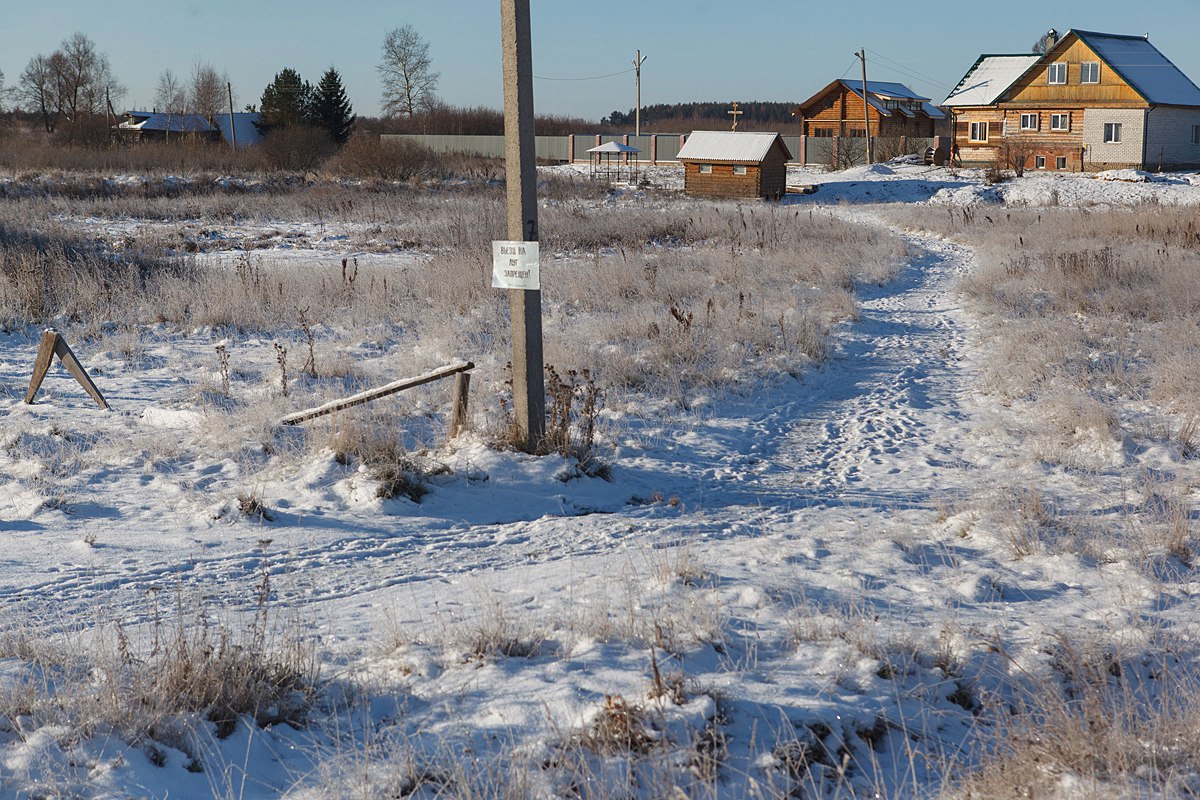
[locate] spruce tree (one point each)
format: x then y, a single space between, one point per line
331 108
287 101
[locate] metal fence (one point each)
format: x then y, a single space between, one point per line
664 147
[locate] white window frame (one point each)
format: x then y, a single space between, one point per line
1060 162
1056 74
1033 119
1060 122
1112 133
1086 67
1039 162
981 127
739 169
705 169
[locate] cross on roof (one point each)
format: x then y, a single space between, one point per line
735 114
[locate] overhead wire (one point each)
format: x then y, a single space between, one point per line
908 70
595 78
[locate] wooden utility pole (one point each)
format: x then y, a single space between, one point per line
862 56
232 126
637 83
520 166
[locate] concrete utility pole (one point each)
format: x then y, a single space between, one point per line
637 83
525 305
862 56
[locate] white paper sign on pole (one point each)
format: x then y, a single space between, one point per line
515 265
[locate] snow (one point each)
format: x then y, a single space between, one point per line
989 78
796 556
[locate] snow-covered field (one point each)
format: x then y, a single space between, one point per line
818 586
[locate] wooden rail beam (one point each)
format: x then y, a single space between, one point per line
334 406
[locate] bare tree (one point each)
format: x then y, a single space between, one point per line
170 97
37 90
409 84
207 95
1045 42
72 83
87 84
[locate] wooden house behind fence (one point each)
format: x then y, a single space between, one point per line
894 110
734 164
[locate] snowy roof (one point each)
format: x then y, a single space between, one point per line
243 125
614 147
989 78
730 146
1141 64
175 123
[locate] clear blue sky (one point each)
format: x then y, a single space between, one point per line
696 50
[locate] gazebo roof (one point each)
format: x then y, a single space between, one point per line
614 147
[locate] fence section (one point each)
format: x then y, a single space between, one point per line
664 147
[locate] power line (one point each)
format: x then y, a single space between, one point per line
596 78
902 68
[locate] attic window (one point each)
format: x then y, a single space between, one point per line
1089 72
1056 74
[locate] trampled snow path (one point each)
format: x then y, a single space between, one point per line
877 427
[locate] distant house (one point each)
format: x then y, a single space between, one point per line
1093 101
734 164
245 125
892 109
158 126
154 126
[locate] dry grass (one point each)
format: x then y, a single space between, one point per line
1107 726
177 683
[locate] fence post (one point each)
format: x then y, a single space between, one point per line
458 414
653 149
570 148
803 150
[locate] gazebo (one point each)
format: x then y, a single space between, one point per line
614 161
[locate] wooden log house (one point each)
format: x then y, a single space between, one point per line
734 164
893 110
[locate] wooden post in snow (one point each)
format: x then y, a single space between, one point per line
53 344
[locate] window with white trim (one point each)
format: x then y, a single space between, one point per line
739 169
1056 74
1029 122
1112 133
1089 72
978 132
706 169
1060 162
1060 122
1039 162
